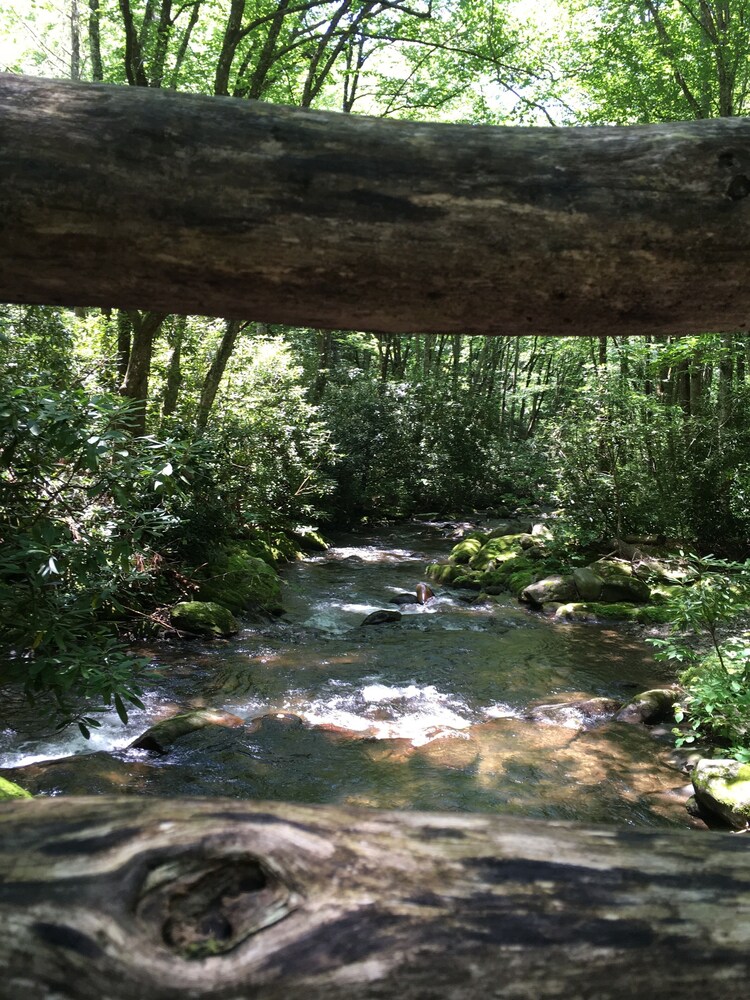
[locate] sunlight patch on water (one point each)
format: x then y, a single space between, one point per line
373 554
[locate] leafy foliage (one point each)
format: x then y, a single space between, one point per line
716 703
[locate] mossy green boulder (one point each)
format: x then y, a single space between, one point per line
10 790
641 614
241 582
495 551
309 540
160 737
203 618
467 548
649 707
550 588
610 581
722 787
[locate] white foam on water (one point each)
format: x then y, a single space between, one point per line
418 713
110 736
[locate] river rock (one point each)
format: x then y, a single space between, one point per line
203 618
241 582
424 593
383 617
650 707
552 588
403 599
574 612
309 540
160 737
576 714
722 787
10 790
610 581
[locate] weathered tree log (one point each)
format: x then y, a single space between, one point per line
132 898
132 197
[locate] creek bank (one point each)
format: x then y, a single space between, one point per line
520 557
240 578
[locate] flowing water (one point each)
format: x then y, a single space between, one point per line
430 712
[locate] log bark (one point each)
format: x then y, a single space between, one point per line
130 898
138 198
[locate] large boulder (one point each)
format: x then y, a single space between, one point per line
383 617
650 707
722 788
204 618
552 588
160 737
610 581
241 582
468 548
495 551
10 790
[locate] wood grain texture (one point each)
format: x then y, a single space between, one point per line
126 898
132 197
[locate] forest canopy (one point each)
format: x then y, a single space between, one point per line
135 444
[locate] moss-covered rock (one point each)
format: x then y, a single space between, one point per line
203 618
309 540
241 582
467 548
520 580
722 787
649 707
610 581
273 547
495 551
550 588
160 737
10 790
642 614
574 612
444 573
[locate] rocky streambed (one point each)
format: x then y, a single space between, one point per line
463 700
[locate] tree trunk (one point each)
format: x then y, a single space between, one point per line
216 370
128 898
133 197
135 383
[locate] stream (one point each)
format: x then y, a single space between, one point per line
430 712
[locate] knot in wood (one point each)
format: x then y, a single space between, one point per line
203 906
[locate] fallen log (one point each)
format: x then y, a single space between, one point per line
129 898
132 197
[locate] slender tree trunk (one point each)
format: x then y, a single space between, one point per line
216 370
95 46
135 383
75 41
174 371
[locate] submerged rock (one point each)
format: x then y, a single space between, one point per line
383 617
649 707
10 790
160 737
203 618
722 788
576 714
